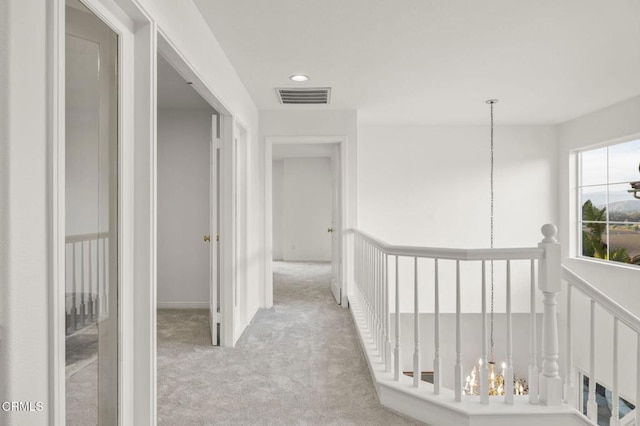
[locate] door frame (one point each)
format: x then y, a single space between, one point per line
214 206
136 31
341 141
227 183
336 248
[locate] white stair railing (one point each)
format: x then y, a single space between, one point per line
375 284
87 281
629 419
620 316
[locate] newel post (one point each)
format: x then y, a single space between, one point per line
550 384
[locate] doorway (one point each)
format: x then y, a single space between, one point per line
305 205
188 199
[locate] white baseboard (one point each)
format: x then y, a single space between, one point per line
183 305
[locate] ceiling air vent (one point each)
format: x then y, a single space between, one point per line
304 96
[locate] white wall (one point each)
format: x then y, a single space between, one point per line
24 209
306 209
429 186
619 282
183 207
278 208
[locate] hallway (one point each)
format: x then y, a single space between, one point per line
298 363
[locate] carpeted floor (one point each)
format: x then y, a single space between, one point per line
298 363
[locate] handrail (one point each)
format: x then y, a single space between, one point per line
85 237
518 253
608 304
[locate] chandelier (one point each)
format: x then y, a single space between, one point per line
496 384
496 381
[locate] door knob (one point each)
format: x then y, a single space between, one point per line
207 238
330 230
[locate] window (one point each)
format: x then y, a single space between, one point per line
604 400
609 213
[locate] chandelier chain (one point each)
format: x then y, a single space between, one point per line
491 346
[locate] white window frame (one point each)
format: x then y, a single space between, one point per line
578 203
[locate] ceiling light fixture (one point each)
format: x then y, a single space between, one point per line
299 77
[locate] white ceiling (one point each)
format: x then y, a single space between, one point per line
437 61
173 90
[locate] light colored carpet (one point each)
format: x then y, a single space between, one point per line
298 363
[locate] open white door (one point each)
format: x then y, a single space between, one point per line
336 227
213 236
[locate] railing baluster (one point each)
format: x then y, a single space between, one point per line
569 389
484 368
367 285
365 307
74 308
458 367
98 299
67 307
374 270
615 394
374 298
380 314
358 243
387 317
363 282
508 378
396 358
83 310
437 376
377 282
106 277
417 373
381 323
372 295
592 406
533 364
90 297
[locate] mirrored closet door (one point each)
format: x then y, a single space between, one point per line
91 210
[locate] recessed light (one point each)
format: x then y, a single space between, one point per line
299 77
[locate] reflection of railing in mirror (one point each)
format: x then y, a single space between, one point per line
87 280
